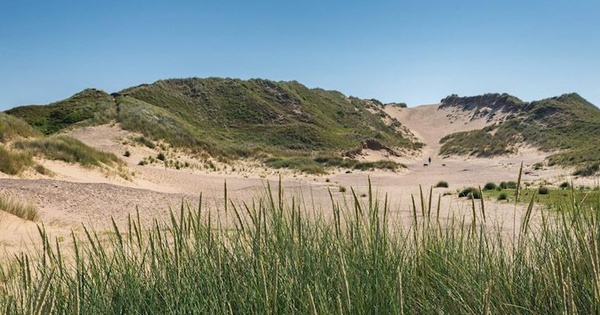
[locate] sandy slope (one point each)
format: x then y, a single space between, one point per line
76 195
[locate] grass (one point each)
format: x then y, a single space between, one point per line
23 210
278 260
320 164
14 163
549 197
67 149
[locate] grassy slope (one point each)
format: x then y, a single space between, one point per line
19 142
236 117
230 118
89 105
567 123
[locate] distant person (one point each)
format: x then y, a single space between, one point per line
430 160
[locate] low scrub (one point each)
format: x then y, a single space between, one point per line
23 210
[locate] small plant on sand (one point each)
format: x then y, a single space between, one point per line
543 190
161 156
342 189
470 192
489 186
564 185
502 196
127 154
441 184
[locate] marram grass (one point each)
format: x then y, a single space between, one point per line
281 260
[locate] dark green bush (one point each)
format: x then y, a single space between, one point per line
441 184
489 186
543 190
470 192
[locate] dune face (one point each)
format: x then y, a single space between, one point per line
166 137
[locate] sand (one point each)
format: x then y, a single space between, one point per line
74 195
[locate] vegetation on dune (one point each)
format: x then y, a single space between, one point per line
278 260
317 165
231 118
567 124
12 128
19 143
23 210
90 106
14 163
239 117
67 149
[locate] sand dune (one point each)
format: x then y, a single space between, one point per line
76 195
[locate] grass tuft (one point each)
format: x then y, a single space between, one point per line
23 210
67 149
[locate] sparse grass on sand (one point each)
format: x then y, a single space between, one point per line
23 210
13 163
278 260
67 149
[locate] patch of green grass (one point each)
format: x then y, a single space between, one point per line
551 198
12 128
14 162
67 149
23 210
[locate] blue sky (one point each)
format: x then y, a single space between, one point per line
396 51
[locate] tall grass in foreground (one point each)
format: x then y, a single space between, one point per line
280 260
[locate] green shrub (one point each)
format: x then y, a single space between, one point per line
441 184
470 192
543 190
161 156
502 196
127 154
489 186
564 185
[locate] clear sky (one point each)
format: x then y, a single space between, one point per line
396 51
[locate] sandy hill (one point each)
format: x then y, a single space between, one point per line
97 156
